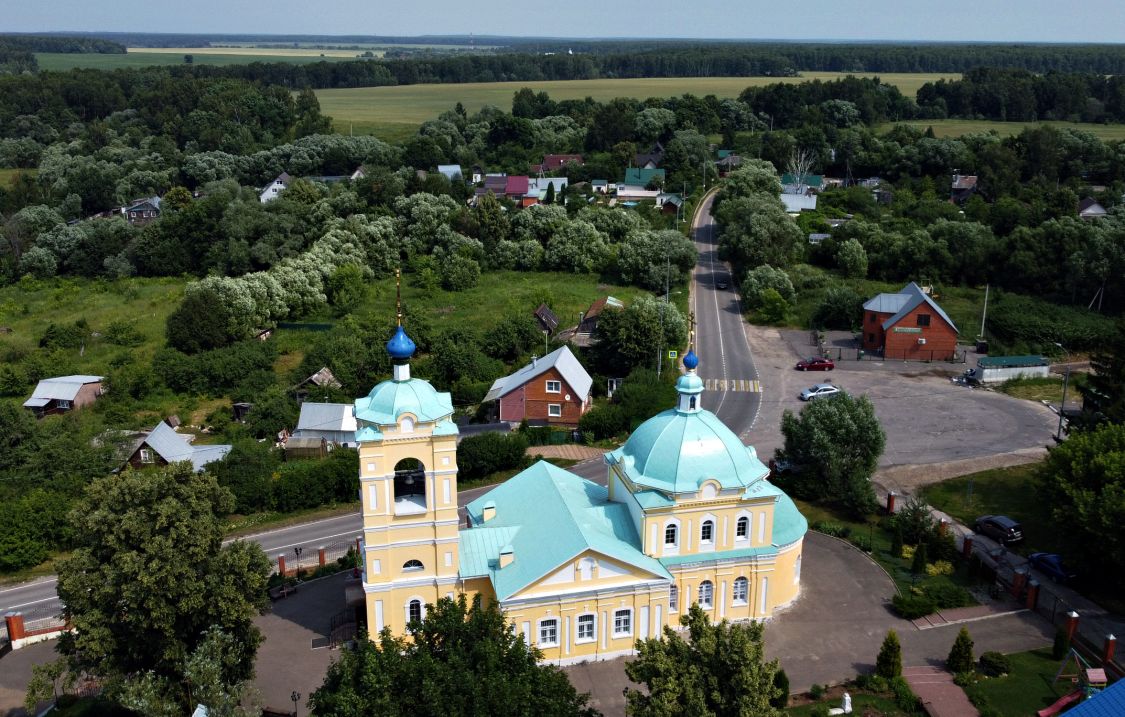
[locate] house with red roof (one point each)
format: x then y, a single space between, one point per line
555 162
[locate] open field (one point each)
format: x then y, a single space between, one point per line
252 51
958 127
149 56
394 112
7 175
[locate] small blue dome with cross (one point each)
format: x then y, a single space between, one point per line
691 360
400 347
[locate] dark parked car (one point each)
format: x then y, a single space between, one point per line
1051 565
816 363
1000 528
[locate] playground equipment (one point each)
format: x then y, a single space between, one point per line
1088 682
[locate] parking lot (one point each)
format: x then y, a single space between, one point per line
929 421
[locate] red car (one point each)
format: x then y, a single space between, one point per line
816 364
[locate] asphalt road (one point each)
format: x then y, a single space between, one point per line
725 363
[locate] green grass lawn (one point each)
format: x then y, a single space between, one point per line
1026 689
958 127
1004 491
8 174
862 704
393 113
1040 388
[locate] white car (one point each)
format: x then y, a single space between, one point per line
820 390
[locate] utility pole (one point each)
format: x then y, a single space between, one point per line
984 314
1062 406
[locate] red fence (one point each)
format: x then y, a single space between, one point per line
300 561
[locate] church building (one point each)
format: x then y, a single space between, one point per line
582 570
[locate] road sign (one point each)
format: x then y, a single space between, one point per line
673 354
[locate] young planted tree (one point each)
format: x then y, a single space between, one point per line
961 654
889 662
918 565
716 669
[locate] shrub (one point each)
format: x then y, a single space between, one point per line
836 530
995 664
912 607
763 278
816 691
918 563
961 654
888 664
484 454
605 421
862 542
941 567
781 682
123 333
1061 644
896 542
904 696
947 596
841 309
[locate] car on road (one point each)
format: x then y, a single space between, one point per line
720 285
815 363
820 390
1051 564
1000 528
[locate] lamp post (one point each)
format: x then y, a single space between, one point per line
544 342
1066 384
296 697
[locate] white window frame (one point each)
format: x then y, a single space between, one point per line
554 410
413 568
672 548
557 386
554 621
707 532
63 403
749 524
745 592
147 455
627 614
579 639
421 608
673 598
710 592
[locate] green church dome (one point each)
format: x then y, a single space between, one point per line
678 451
391 399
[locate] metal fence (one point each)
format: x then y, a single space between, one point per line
857 353
300 561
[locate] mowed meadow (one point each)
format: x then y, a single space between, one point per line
393 113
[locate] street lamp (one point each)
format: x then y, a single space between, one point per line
1066 384
296 697
544 342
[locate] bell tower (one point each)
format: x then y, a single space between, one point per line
408 484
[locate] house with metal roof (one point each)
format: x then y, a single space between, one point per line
163 445
274 189
1090 208
812 182
551 390
908 325
142 211
452 172
63 393
333 423
641 177
582 571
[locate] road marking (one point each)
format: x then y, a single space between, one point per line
26 586
33 602
296 526
739 385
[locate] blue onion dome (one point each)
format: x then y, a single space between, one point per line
691 360
400 347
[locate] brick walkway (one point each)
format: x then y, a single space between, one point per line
940 697
570 451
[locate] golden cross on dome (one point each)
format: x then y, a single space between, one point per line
398 295
691 331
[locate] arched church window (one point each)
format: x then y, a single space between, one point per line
414 611
410 487
741 591
412 565
742 528
707 531
673 598
706 594
671 535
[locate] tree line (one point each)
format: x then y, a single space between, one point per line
1018 95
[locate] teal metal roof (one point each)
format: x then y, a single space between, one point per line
788 523
810 180
548 516
391 399
675 452
720 555
1011 361
641 177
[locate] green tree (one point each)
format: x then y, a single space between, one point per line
837 442
1083 482
773 307
889 662
918 563
718 669
896 542
632 337
150 576
960 658
274 409
247 472
841 308
461 657
765 277
852 259
1104 387
346 287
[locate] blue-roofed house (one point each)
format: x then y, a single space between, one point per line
908 325
1110 702
581 570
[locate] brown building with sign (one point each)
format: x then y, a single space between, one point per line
908 325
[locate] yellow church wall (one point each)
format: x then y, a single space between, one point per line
689 518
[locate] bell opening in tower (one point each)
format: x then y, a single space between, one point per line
410 487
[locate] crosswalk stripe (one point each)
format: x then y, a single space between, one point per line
739 385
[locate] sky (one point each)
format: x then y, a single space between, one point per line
939 20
